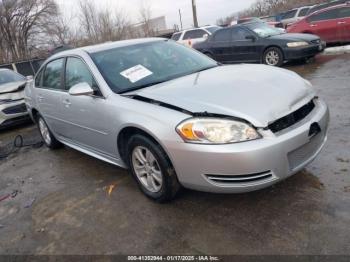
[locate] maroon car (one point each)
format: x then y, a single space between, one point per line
331 24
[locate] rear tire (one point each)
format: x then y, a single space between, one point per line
273 56
47 136
152 169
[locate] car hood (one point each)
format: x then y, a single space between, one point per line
295 37
11 87
257 93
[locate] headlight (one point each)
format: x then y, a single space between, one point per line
216 131
297 44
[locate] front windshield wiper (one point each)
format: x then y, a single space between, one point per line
141 86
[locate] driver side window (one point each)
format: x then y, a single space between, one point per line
78 72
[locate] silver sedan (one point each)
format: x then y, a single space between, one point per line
176 118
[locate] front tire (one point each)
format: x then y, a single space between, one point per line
152 169
47 136
273 56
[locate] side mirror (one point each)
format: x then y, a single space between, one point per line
81 89
205 36
251 38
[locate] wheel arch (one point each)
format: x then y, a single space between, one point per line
127 132
34 112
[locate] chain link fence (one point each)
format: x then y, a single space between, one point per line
26 68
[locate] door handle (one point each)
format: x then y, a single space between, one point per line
341 22
66 103
40 98
312 25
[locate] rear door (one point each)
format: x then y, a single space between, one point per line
325 25
48 93
344 23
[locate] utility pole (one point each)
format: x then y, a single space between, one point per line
194 10
180 18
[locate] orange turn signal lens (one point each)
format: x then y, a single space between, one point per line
186 132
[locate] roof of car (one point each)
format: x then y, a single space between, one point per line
332 5
330 8
202 27
108 45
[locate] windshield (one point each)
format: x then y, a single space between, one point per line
8 76
264 30
212 29
138 66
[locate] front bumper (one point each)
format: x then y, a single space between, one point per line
304 52
13 113
248 166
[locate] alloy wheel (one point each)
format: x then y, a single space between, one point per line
44 130
272 58
147 169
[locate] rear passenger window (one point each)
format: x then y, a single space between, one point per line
344 12
193 34
289 14
176 36
223 35
303 11
239 34
52 74
327 15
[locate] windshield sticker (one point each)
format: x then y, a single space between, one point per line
136 73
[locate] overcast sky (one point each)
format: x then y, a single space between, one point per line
208 10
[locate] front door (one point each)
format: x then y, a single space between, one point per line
242 48
325 25
220 45
85 116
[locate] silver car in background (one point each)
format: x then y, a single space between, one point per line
13 110
176 118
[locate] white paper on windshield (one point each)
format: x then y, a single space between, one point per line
136 73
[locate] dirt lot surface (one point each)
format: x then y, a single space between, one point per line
60 203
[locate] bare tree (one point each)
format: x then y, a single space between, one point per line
145 12
269 7
21 21
101 25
